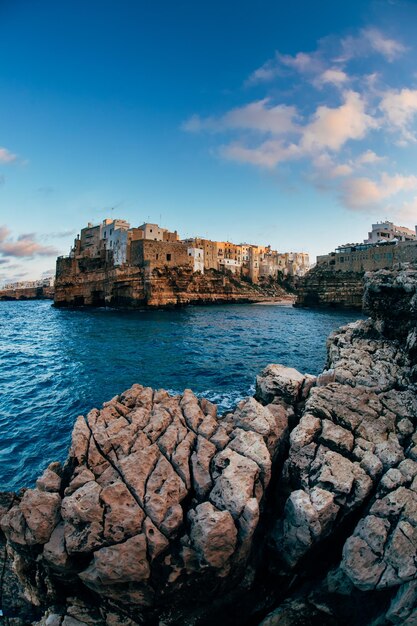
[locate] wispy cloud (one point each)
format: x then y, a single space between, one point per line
24 246
400 110
362 193
261 116
7 157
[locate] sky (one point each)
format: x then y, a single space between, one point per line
292 124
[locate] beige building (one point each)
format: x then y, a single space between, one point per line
156 233
387 231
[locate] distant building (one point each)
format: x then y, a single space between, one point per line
387 231
115 242
386 245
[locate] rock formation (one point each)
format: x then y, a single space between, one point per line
27 293
299 507
324 287
91 282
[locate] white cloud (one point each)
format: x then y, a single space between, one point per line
331 128
389 48
400 108
332 76
328 130
268 154
326 167
362 193
6 156
370 41
368 158
302 62
256 116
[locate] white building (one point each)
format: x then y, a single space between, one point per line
230 264
197 257
114 236
387 231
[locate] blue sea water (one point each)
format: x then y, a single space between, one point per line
56 364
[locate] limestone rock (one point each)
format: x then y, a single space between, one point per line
278 381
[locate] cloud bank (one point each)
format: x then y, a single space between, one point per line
336 123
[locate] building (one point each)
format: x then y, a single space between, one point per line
114 242
114 236
156 233
197 259
89 241
153 254
230 264
387 231
367 256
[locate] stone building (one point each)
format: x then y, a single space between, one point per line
369 257
89 242
152 254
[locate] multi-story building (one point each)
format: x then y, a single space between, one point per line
369 255
89 241
114 237
387 231
114 241
196 258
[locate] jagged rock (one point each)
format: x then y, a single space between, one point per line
158 488
213 534
278 381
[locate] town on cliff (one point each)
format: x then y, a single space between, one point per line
116 265
113 264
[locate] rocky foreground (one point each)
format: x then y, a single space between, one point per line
299 507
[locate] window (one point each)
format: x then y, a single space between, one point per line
151 229
168 257
157 256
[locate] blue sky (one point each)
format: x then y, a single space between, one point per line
292 124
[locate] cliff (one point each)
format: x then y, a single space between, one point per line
324 287
27 293
298 507
90 282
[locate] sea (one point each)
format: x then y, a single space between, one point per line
56 364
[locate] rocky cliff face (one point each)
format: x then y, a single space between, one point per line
93 283
28 293
299 507
323 287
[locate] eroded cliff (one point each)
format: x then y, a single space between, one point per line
325 287
91 282
299 507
